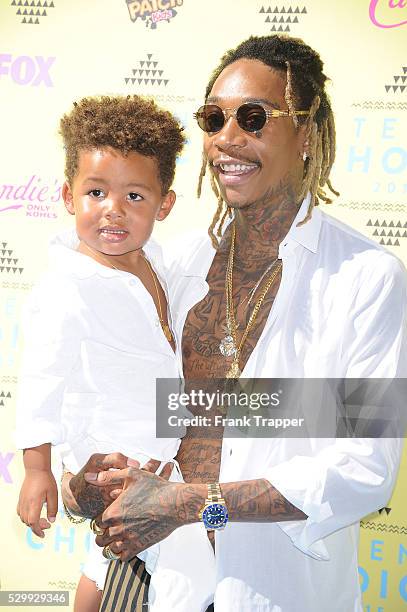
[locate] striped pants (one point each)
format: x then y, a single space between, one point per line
126 587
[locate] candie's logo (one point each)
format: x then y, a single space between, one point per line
379 11
35 196
153 11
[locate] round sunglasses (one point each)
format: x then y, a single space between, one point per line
250 116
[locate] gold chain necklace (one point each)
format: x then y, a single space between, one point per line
228 346
164 326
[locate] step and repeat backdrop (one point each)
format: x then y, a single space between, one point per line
53 52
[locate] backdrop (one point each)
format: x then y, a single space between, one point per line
55 51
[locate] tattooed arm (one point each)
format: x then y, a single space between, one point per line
150 508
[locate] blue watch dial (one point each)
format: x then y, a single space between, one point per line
215 516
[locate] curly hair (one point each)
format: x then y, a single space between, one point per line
125 123
306 86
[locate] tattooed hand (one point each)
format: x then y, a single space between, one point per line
146 512
83 498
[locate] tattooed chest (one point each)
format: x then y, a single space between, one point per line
206 327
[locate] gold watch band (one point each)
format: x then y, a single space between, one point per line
214 493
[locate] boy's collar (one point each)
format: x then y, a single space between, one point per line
64 255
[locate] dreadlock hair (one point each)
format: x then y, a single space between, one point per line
125 123
305 90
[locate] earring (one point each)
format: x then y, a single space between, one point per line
304 156
257 134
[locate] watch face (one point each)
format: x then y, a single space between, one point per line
215 516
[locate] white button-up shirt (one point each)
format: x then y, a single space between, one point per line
93 350
340 312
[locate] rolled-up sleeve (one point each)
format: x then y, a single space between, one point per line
51 347
346 479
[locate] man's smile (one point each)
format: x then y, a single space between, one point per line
234 171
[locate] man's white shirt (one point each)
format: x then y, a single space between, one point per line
340 312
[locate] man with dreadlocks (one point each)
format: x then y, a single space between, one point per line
279 290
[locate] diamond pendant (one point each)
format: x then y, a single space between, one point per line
227 346
234 370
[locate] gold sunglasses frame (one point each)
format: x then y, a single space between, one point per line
233 113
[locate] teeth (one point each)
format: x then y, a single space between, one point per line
111 231
237 167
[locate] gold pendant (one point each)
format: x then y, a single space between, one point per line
227 346
234 370
167 332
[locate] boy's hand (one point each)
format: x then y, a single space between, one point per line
39 486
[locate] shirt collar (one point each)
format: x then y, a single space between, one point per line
64 256
306 235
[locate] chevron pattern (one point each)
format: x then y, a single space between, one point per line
399 529
380 105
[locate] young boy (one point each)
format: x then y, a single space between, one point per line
98 330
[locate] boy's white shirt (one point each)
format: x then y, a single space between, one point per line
93 350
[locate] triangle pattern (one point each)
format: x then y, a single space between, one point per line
146 72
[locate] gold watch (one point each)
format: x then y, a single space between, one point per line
214 514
